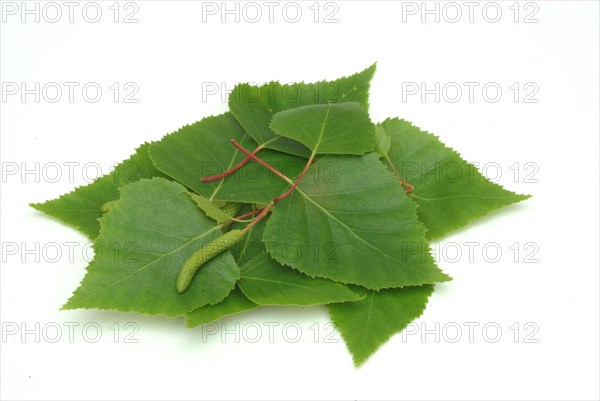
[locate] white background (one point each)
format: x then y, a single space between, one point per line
173 56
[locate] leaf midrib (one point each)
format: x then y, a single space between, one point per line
332 216
287 283
320 139
138 270
363 341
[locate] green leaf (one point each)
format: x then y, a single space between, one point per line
360 225
382 141
266 282
81 207
367 324
204 149
252 245
340 128
450 192
348 235
236 302
143 243
254 106
211 208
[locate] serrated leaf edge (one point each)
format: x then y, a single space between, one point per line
101 219
37 205
455 152
358 362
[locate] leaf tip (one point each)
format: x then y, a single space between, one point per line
68 305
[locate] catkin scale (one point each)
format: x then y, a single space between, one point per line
231 208
108 206
203 255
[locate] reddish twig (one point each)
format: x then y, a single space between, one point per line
258 218
409 187
242 216
295 184
252 213
231 170
265 211
253 156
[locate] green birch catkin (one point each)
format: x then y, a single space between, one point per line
203 255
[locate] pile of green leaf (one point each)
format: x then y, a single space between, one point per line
352 235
